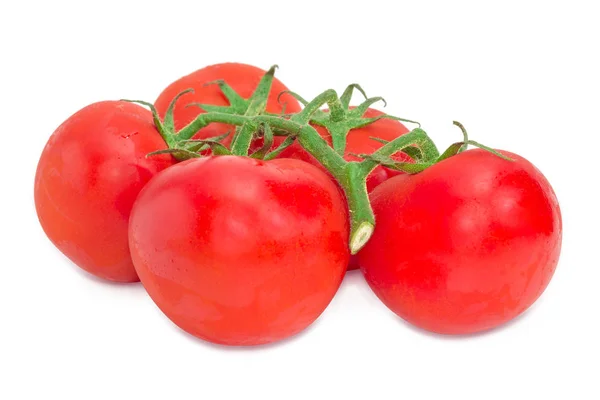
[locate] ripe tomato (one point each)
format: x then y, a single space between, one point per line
359 141
465 245
88 176
242 78
240 251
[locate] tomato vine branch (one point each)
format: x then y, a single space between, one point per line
350 175
250 118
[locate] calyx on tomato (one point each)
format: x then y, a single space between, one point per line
182 146
341 118
426 157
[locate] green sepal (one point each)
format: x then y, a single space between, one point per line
169 120
346 96
284 145
216 146
213 108
413 152
410 168
179 154
451 151
237 103
267 134
340 118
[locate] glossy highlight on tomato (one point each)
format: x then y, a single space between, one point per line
88 176
466 245
240 251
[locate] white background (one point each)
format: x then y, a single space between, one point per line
522 76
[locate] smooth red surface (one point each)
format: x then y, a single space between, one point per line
88 177
240 251
242 78
466 245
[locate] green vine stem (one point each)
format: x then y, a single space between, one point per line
182 147
340 119
350 175
249 117
429 155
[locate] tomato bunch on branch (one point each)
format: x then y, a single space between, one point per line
240 205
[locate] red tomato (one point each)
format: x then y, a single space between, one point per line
465 245
242 78
87 179
358 141
240 251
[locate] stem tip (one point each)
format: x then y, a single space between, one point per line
361 237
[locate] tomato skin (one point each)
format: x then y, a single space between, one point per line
239 251
242 78
466 245
88 176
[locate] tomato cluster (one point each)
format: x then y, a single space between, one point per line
240 206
